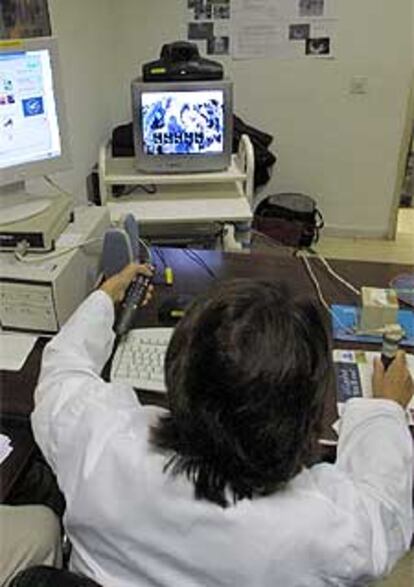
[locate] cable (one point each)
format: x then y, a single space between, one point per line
148 251
337 276
195 257
320 295
150 188
52 183
168 272
161 256
268 239
58 253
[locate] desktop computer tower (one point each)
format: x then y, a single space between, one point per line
40 296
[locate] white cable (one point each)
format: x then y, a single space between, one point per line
337 276
148 250
315 283
320 295
57 187
58 253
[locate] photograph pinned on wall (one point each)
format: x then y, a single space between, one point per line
221 10
209 9
311 7
24 19
218 46
208 25
319 46
299 32
200 30
203 10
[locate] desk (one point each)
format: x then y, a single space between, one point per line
16 389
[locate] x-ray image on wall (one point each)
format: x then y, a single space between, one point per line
311 7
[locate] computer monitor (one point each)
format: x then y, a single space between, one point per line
33 128
182 127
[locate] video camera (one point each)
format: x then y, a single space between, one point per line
181 61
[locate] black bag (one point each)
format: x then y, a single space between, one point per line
291 219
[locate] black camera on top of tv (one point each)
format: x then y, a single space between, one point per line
181 61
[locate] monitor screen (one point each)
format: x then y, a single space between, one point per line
31 141
182 126
183 122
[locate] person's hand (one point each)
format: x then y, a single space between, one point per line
117 285
395 383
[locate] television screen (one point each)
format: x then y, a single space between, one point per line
182 127
183 122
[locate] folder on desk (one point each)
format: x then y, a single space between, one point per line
346 318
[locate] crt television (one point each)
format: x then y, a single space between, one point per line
182 127
33 128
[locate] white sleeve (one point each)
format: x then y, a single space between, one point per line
70 386
375 451
84 344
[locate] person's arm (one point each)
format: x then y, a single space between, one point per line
375 451
72 362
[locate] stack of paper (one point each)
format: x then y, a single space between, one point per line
353 370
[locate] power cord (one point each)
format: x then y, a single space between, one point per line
317 286
56 186
195 257
23 248
335 274
127 191
168 272
150 257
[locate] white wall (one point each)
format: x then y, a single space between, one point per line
86 41
341 148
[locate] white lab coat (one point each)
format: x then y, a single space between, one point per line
132 525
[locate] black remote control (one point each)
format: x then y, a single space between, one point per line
133 299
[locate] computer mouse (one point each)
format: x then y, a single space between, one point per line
172 309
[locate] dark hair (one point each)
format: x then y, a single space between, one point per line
246 372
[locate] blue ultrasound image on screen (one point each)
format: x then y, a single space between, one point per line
183 122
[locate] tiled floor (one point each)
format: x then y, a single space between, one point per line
401 250
402 574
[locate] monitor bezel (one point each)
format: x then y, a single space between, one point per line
33 169
182 163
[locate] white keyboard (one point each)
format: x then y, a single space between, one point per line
139 358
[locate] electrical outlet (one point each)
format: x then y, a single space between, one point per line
358 84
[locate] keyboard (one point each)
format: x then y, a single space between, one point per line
139 359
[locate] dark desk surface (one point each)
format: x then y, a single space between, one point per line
190 277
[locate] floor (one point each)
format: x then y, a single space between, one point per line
401 250
402 574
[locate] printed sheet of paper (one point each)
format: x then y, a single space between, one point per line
285 29
14 349
208 26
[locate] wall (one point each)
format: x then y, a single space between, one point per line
86 42
341 148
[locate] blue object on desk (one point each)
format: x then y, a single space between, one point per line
347 317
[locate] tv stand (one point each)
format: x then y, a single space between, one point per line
184 204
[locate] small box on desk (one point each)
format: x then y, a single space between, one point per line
379 308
